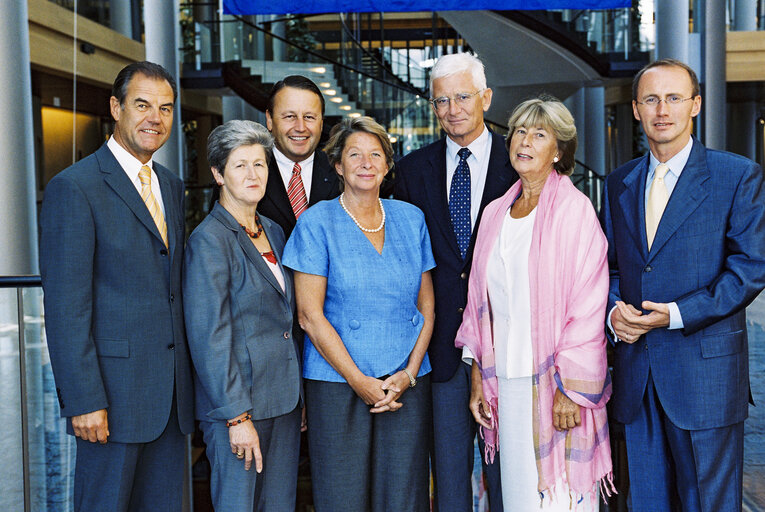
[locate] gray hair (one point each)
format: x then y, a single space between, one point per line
231 135
548 112
459 63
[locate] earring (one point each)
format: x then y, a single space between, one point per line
555 160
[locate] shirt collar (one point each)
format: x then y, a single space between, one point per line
285 162
130 164
480 147
676 164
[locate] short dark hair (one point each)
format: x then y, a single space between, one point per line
296 82
666 62
145 68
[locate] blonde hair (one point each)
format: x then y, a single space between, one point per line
550 113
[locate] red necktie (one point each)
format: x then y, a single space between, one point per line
296 192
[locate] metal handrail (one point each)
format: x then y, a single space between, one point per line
20 281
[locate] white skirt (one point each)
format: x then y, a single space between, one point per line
518 464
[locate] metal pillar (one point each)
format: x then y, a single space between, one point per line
575 104
672 24
713 74
18 231
162 43
744 15
595 129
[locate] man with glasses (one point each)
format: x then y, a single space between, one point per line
451 181
686 236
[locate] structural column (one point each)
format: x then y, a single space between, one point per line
742 136
160 18
121 17
713 74
672 24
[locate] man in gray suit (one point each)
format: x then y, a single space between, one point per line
111 251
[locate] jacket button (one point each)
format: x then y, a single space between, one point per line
463 275
647 268
172 298
354 324
163 252
286 335
460 310
171 346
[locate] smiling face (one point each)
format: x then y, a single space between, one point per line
295 122
363 164
667 127
462 123
532 150
144 120
243 181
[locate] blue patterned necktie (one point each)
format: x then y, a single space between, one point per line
459 202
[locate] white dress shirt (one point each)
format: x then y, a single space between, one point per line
132 166
285 170
478 161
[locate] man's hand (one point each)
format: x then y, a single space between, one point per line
92 426
629 323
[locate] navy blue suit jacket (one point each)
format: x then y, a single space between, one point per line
239 322
113 307
421 180
708 256
276 204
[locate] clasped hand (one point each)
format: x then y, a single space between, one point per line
629 323
383 396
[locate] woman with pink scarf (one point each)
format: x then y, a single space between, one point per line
534 324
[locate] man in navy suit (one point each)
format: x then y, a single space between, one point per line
425 178
111 250
686 236
295 117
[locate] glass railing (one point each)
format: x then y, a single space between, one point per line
355 80
34 448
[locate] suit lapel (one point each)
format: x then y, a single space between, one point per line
632 203
323 181
276 194
171 214
687 195
118 181
435 190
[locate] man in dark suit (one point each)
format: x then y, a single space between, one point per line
452 186
686 236
299 176
111 250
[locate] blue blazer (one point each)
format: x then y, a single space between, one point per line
421 180
708 256
113 308
239 322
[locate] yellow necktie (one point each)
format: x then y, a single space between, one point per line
151 202
657 201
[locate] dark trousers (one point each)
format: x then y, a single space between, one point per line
454 433
135 477
274 490
672 469
365 462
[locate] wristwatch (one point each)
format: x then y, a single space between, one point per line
412 380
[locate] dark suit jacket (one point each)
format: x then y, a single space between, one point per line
708 256
276 205
113 308
239 322
421 180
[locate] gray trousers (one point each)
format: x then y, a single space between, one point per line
364 462
273 490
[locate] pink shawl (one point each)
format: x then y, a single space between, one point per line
568 278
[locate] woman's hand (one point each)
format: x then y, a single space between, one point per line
394 386
565 412
478 406
245 444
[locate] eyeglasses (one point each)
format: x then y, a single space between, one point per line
653 101
460 99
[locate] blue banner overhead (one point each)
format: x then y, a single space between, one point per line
322 6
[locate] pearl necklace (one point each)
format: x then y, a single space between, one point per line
362 228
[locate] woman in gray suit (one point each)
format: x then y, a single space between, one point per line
239 305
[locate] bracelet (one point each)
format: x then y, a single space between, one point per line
246 417
412 380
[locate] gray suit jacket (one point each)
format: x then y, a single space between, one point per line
239 322
113 309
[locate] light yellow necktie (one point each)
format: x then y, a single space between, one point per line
657 201
151 202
